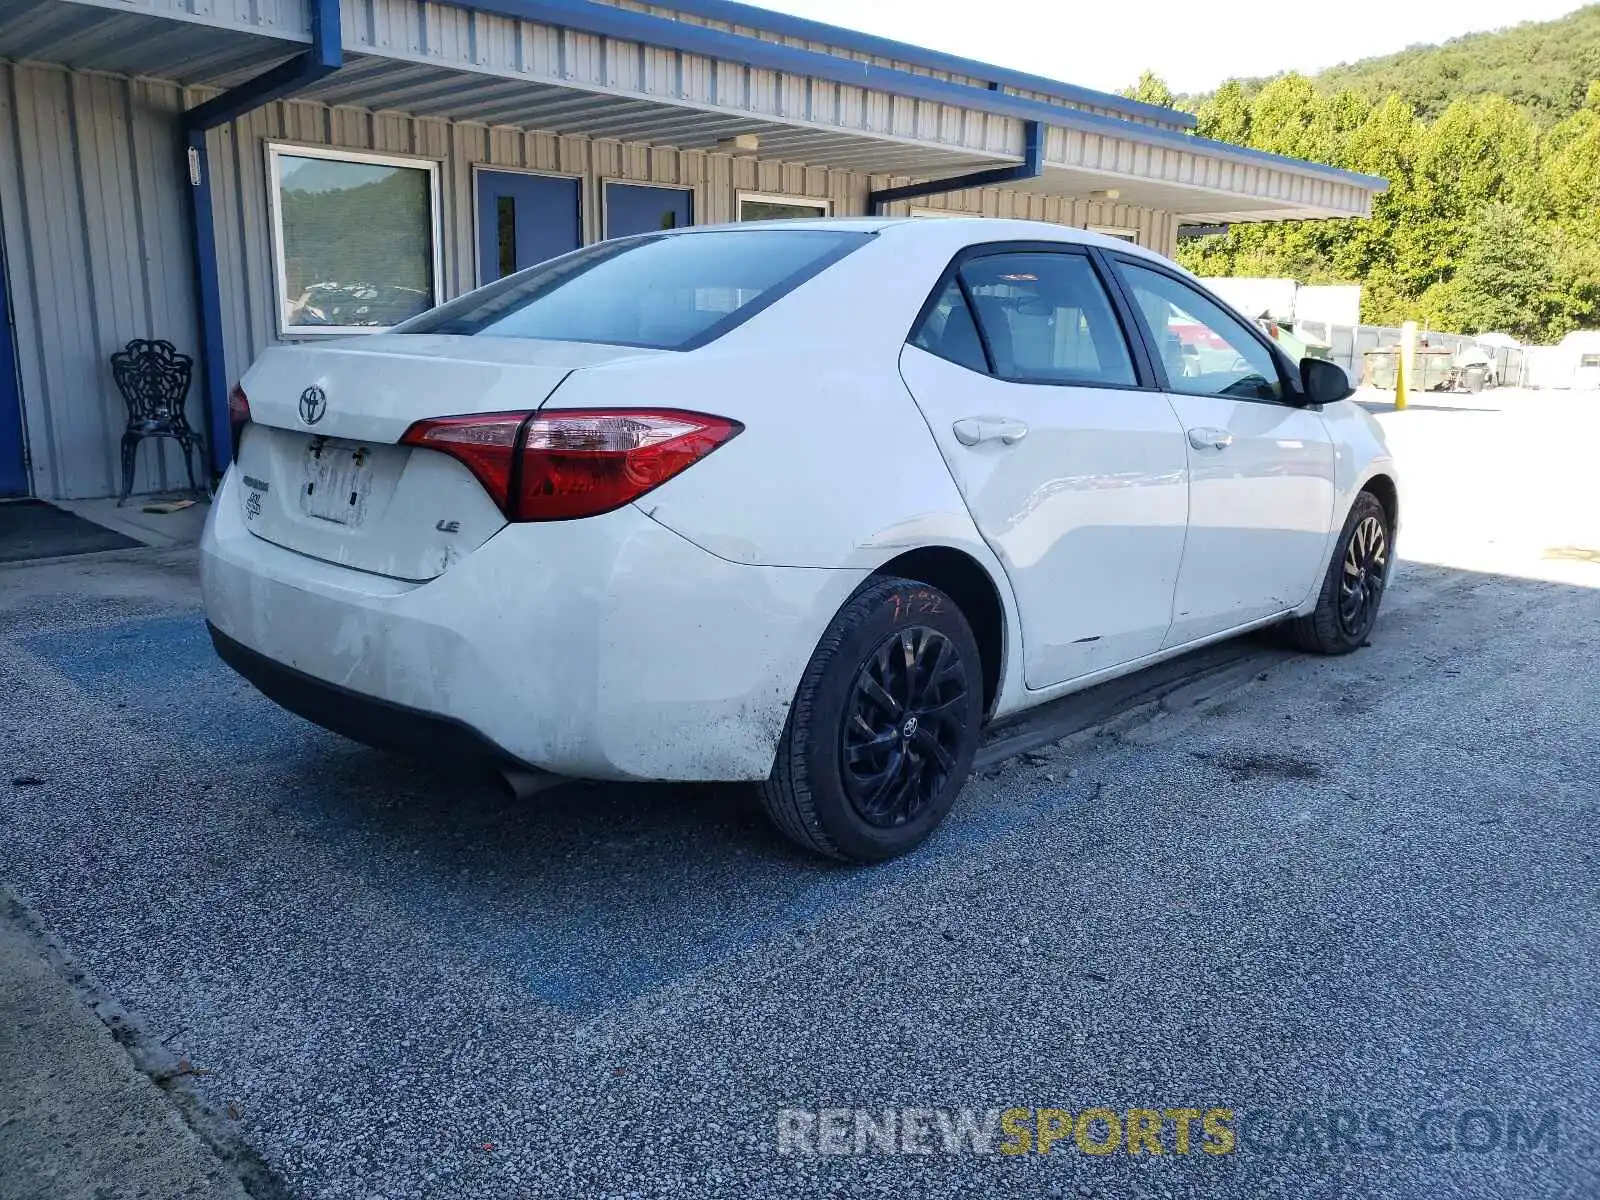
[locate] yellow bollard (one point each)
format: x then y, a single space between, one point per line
1402 367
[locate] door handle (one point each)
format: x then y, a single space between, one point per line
970 431
1207 438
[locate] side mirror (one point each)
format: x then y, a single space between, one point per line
1324 382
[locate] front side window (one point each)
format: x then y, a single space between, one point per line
663 292
356 239
1206 351
1045 318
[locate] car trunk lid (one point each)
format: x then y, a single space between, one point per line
320 469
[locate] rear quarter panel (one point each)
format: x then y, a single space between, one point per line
836 467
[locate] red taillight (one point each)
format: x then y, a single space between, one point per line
557 465
485 443
238 415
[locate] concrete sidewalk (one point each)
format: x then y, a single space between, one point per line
78 1117
161 530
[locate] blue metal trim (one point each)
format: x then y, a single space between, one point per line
13 437
325 56
606 20
1031 167
208 287
994 78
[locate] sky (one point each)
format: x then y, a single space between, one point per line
1194 46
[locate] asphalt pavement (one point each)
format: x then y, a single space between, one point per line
1351 902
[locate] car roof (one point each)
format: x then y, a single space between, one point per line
951 232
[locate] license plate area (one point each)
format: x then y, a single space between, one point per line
337 481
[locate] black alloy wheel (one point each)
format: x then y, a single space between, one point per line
1366 568
884 725
1353 584
904 725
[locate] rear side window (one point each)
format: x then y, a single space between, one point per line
947 329
673 292
1046 318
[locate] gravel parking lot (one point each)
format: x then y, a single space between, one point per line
1334 889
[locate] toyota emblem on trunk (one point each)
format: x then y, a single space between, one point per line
313 403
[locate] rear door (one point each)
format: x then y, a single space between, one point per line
1070 460
1261 469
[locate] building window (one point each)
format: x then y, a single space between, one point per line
356 239
1124 235
756 207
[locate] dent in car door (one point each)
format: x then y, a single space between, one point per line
1073 474
1261 470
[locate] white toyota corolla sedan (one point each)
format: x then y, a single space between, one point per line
805 503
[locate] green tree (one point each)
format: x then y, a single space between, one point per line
1225 115
1151 89
1572 160
1544 69
1504 281
1488 223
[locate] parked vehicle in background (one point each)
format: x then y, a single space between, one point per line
803 503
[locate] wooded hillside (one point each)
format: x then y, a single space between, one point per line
1491 145
1543 68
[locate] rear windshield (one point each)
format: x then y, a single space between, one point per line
667 292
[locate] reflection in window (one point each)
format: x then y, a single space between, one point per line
779 208
1205 351
355 240
1047 319
667 291
947 329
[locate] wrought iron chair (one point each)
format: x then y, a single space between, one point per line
154 381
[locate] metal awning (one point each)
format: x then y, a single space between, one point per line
584 67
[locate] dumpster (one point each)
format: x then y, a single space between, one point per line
1430 366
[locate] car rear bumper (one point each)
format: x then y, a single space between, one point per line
362 718
607 648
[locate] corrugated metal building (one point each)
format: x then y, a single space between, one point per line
204 170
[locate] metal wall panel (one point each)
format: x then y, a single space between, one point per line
91 192
280 18
442 35
716 179
238 155
93 196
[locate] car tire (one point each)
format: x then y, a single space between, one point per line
1352 590
873 754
